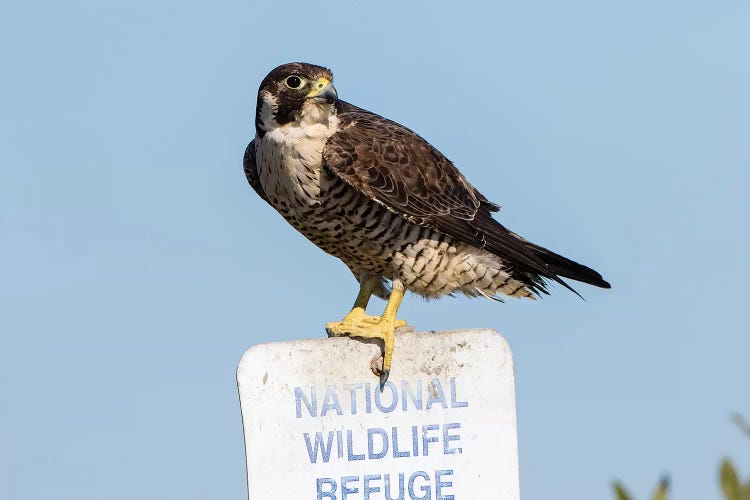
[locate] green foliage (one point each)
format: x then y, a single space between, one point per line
730 482
660 493
620 492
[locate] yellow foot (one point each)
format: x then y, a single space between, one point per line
369 327
371 320
357 316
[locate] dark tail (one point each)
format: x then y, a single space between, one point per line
561 266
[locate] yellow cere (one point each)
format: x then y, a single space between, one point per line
320 84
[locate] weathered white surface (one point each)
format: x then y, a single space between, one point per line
294 392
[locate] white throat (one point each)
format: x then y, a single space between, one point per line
290 156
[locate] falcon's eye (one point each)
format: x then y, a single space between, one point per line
294 82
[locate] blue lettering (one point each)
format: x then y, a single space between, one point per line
345 489
371 454
349 448
353 388
330 401
436 394
331 493
425 488
387 487
396 452
340 443
371 489
416 396
368 399
299 398
440 484
448 437
414 441
454 400
319 448
426 440
394 398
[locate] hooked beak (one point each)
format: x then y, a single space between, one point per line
323 91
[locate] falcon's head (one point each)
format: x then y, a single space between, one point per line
294 92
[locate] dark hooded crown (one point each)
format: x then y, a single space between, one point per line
289 100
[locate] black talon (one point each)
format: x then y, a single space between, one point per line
383 378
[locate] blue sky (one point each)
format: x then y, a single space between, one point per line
137 266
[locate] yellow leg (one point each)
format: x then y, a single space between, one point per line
389 319
358 324
357 314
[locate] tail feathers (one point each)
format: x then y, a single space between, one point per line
561 266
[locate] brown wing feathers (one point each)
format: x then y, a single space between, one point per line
395 167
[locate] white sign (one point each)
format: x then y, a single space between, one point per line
318 427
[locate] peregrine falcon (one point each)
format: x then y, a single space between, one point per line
396 211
